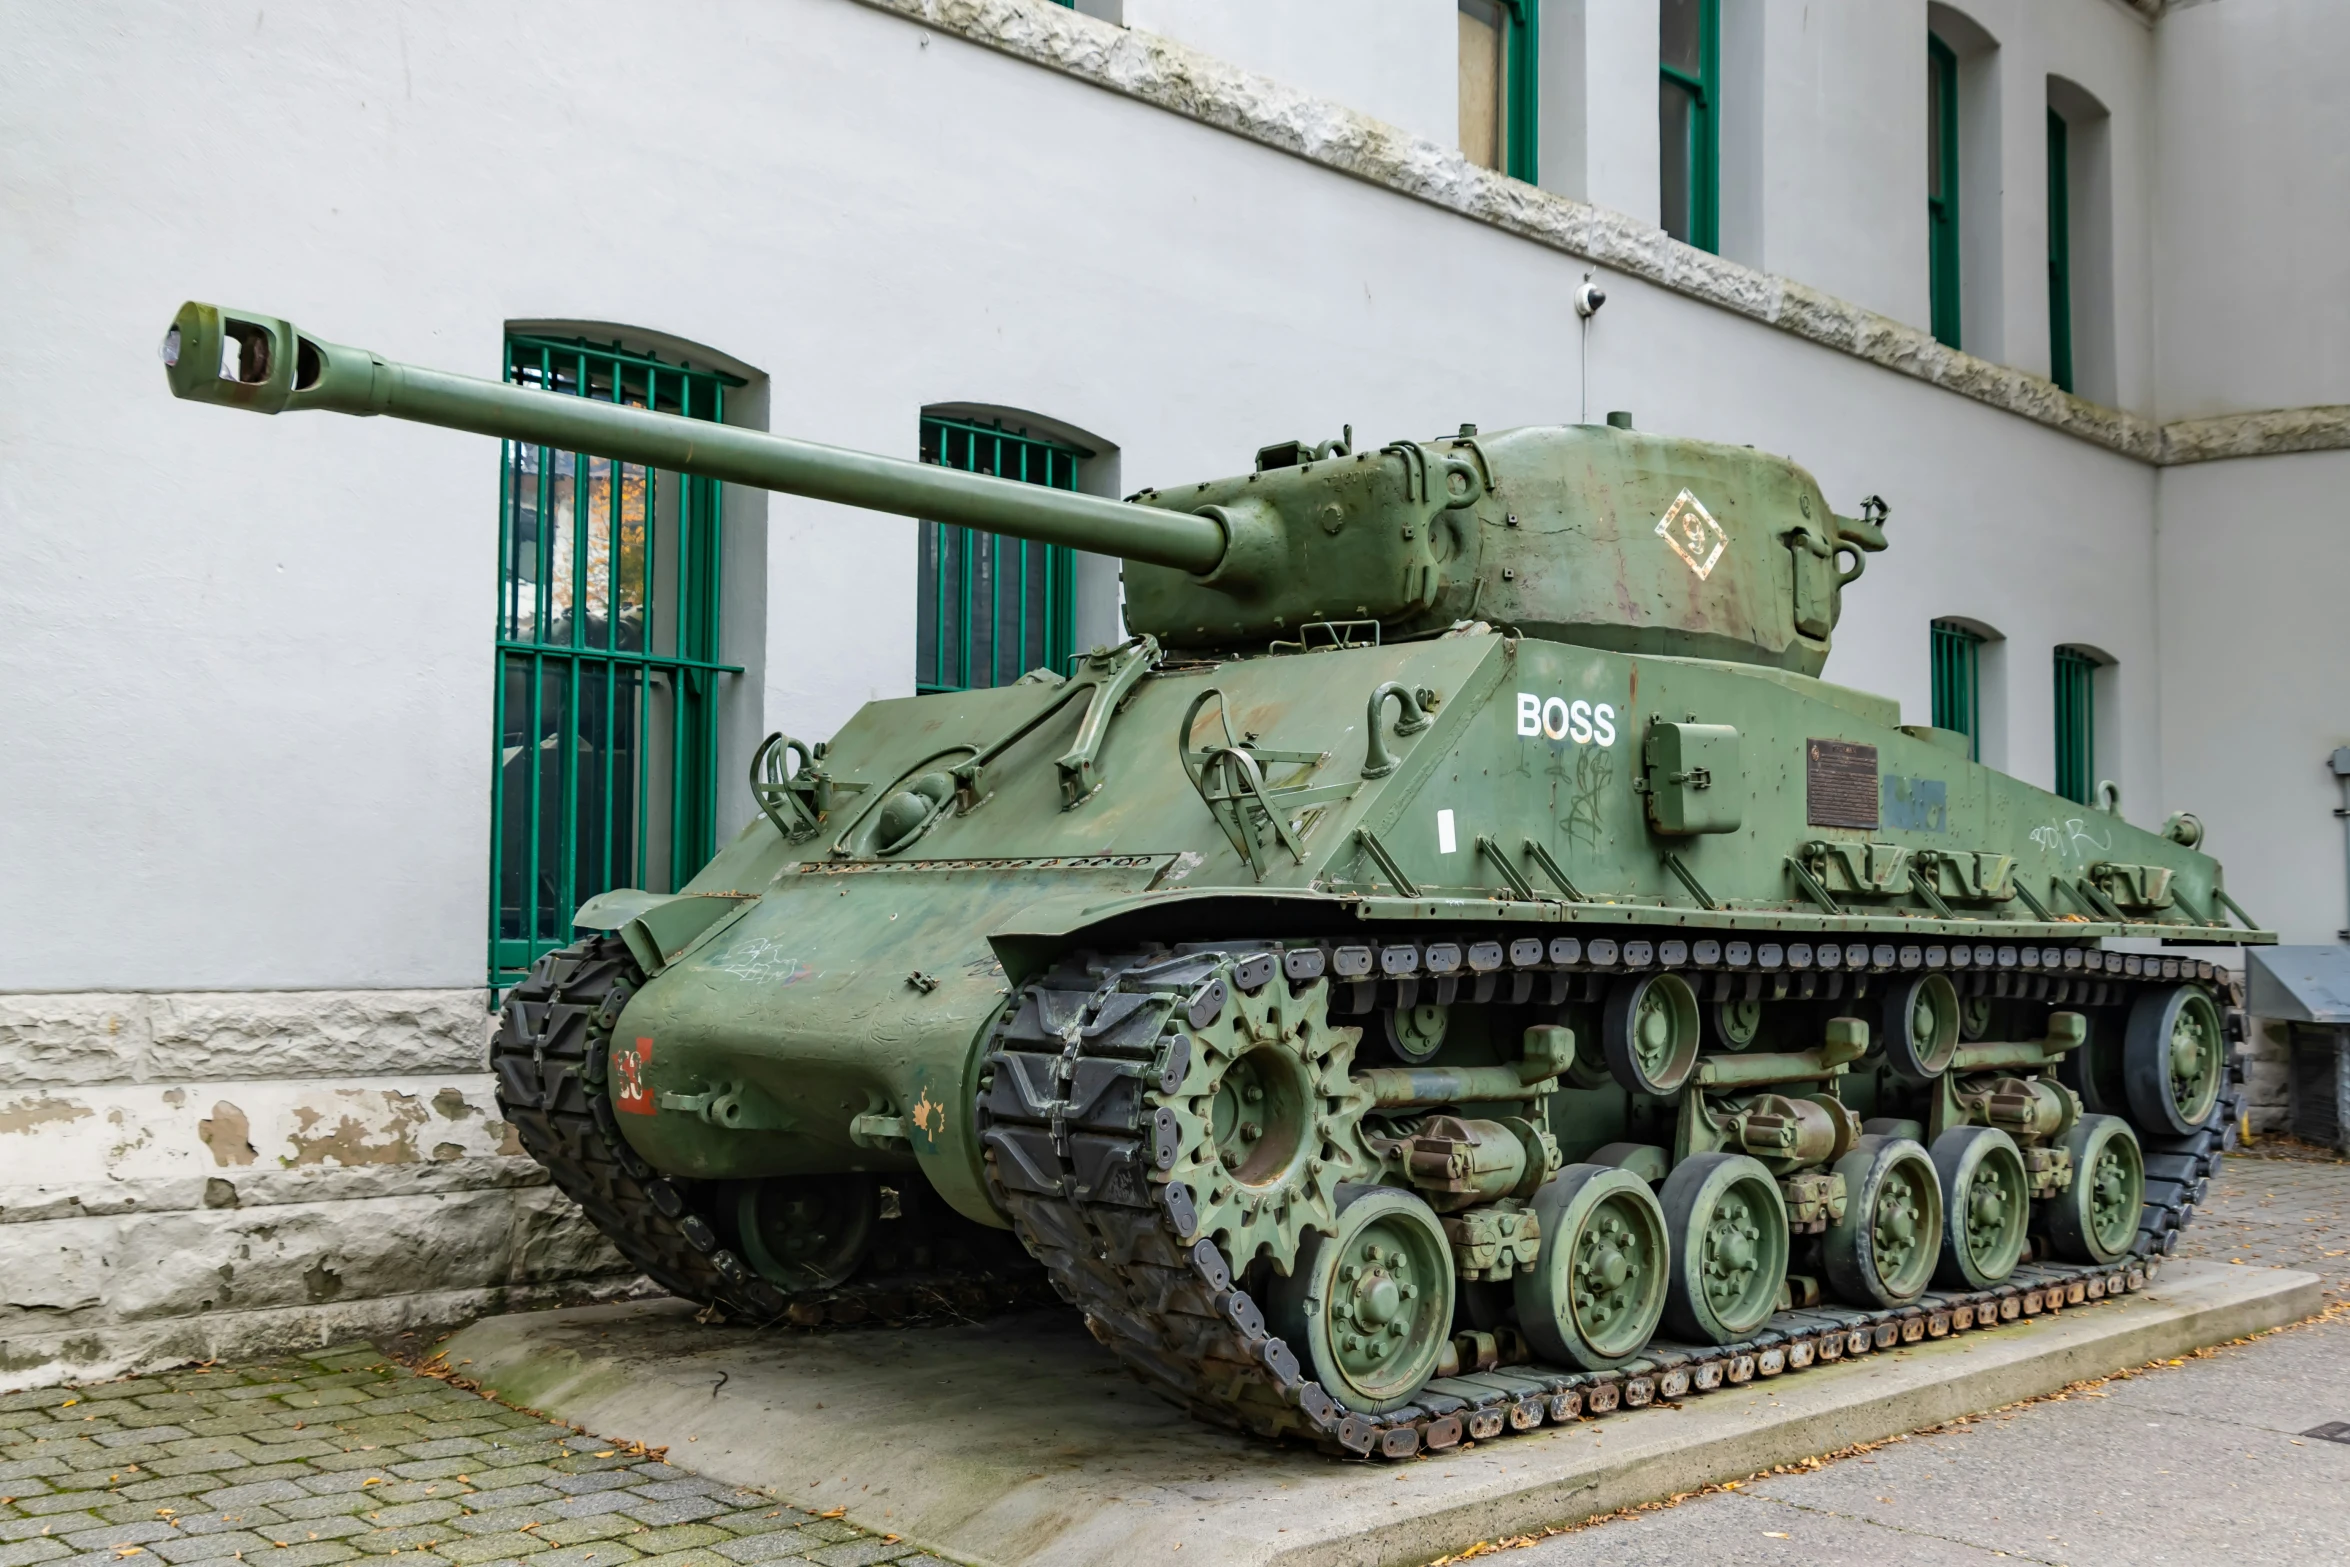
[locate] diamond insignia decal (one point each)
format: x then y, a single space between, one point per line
1693 534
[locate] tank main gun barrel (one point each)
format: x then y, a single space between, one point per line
265 364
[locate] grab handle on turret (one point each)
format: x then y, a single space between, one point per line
264 364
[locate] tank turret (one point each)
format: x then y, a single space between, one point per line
1591 534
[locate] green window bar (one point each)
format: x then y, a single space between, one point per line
1958 683
1689 57
993 608
2060 257
1942 187
608 638
2076 724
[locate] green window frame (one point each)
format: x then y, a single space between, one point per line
1958 683
603 771
993 608
1942 187
1515 65
2060 257
2076 724
1689 63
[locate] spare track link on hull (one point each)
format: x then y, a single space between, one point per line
550 1055
1079 1194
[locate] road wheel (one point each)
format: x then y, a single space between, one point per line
2096 1218
1883 1251
1598 1291
1986 1206
1726 1227
806 1232
1368 1310
2174 1060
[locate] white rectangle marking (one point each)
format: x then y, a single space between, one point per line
1445 842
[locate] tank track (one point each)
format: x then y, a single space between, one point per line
550 1055
1076 1174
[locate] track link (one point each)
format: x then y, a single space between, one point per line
1076 1153
551 1054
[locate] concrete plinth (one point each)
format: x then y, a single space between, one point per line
1019 1440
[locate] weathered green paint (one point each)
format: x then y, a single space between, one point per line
819 996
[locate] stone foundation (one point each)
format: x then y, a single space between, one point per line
205 1175
2268 1072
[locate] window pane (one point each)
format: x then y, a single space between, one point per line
1676 136
1481 82
1681 41
1933 125
2076 724
1957 682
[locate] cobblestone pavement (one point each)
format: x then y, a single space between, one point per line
342 1456
2205 1461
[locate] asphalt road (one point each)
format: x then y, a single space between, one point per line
2204 1462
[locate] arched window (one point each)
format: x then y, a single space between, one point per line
608 655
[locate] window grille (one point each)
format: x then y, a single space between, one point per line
1942 187
606 701
993 608
1958 683
2060 260
1689 59
1498 93
2076 724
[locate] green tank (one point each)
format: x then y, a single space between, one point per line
1456 967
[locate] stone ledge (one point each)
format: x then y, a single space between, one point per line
128 1274
42 1358
89 1038
265 1188
1158 71
2269 433
1019 1440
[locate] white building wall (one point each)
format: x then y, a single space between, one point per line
1839 90
2254 566
250 660
1598 122
2255 141
1395 60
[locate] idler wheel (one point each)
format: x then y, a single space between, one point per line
1883 1251
1368 1310
1921 1028
1726 1228
2096 1218
1986 1206
2174 1060
1598 1290
806 1232
1649 1035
